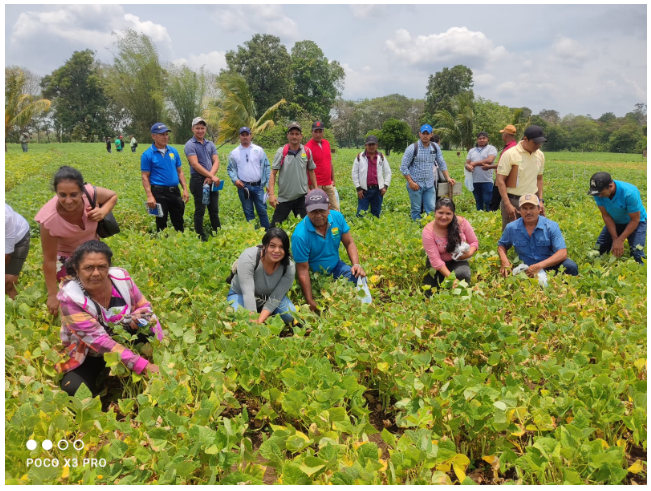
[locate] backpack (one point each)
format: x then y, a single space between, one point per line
229 280
416 152
308 153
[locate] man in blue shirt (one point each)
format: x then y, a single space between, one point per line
161 171
421 172
204 164
621 208
537 240
315 244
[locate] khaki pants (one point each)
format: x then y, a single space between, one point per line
505 218
330 191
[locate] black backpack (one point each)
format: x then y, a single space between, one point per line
416 152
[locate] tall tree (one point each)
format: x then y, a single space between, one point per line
136 81
238 109
551 116
265 65
185 93
346 123
316 82
491 117
78 99
20 106
395 135
456 126
446 84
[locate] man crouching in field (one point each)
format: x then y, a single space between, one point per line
537 240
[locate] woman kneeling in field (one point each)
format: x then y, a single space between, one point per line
94 295
449 242
264 276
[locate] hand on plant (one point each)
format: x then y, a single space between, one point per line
152 368
532 270
358 271
618 247
53 305
505 269
313 307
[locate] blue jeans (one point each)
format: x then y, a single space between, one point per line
284 307
256 198
342 269
605 241
570 267
483 192
372 197
424 197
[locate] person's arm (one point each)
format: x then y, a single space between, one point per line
558 257
489 163
312 179
386 175
351 249
266 168
404 167
231 170
618 243
141 308
282 287
443 166
49 245
505 268
214 170
501 185
355 175
432 251
539 183
272 184
151 201
186 195
194 163
245 278
303 273
106 200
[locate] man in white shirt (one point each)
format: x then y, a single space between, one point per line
16 248
249 170
480 161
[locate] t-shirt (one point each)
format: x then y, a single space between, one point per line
258 283
323 161
161 166
626 200
530 166
292 176
16 227
118 144
480 175
133 142
321 252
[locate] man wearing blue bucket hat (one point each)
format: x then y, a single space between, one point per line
161 171
420 165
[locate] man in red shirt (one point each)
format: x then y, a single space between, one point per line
508 137
325 173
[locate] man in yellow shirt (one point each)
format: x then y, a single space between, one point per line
530 163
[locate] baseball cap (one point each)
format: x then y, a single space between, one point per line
425 128
371 139
599 182
535 133
294 126
198 120
529 198
317 125
317 199
510 129
159 128
245 129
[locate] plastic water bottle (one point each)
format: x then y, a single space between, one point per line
206 194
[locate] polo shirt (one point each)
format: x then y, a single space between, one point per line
625 200
292 175
161 167
204 152
323 160
321 253
530 166
481 153
543 243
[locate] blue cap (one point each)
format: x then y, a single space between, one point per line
244 129
159 128
425 128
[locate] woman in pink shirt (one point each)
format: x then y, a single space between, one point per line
67 221
441 237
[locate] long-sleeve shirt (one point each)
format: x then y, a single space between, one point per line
435 246
422 169
81 331
259 283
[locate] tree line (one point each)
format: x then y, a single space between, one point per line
265 86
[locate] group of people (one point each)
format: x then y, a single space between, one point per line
119 144
91 294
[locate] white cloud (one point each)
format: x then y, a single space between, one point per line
569 52
213 61
457 45
483 78
365 10
264 19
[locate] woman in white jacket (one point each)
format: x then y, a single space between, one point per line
371 177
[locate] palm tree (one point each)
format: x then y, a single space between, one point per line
456 125
20 107
519 120
236 108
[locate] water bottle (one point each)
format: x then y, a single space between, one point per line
206 194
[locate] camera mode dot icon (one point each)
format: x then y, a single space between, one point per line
47 445
31 445
63 444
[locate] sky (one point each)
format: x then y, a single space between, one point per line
579 59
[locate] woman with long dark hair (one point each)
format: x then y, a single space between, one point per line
66 221
94 295
264 276
443 240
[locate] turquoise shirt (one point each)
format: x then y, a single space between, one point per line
626 200
321 253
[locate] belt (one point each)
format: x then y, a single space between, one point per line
373 186
252 183
165 188
513 196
